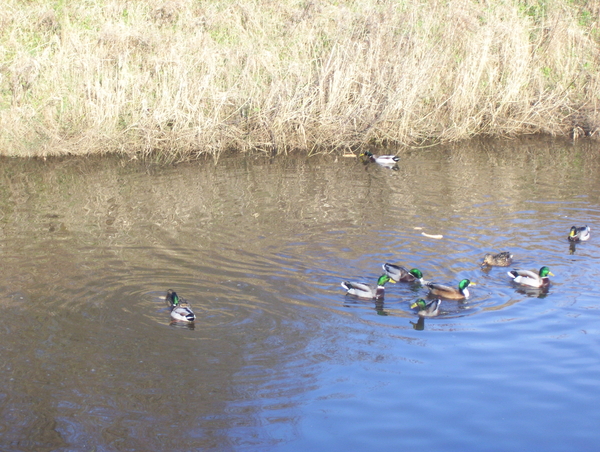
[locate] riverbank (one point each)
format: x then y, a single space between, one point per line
184 78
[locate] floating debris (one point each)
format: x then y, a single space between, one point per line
433 236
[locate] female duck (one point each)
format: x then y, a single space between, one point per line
384 160
401 274
531 279
503 259
580 234
180 309
430 309
362 290
444 291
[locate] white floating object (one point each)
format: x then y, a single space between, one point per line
417 228
432 236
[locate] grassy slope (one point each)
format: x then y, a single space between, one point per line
186 77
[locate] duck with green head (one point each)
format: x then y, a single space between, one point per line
579 234
364 290
398 273
430 309
530 278
383 160
441 290
181 310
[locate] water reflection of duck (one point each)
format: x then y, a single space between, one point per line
503 259
182 325
398 273
364 290
419 325
430 309
579 234
531 279
444 291
572 247
383 160
180 308
380 308
538 292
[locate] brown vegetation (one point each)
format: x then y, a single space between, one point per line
183 78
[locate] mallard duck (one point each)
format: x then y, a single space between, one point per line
530 278
503 259
401 274
430 309
384 160
363 290
580 234
450 292
180 309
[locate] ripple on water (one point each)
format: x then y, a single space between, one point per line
279 353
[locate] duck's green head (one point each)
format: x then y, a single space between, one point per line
367 154
416 273
383 279
173 297
464 284
545 271
573 231
420 303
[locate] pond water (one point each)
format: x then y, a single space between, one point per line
279 358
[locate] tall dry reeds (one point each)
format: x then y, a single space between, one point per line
188 77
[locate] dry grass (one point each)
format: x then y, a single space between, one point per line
181 78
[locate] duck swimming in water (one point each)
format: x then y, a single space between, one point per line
180 309
430 309
503 259
363 290
383 160
579 234
531 279
444 291
401 274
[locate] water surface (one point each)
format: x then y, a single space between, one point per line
279 358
